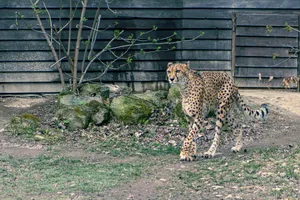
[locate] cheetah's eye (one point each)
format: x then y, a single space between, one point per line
169 71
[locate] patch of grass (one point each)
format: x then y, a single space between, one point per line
132 147
272 169
50 175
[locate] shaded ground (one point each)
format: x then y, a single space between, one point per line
269 170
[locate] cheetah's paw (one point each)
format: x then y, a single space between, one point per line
208 155
236 149
186 157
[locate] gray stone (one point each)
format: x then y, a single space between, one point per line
158 98
131 110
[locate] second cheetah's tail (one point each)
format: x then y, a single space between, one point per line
260 114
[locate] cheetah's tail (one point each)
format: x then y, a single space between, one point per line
260 114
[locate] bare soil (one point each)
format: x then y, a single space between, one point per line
281 129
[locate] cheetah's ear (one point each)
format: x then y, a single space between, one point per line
188 64
169 64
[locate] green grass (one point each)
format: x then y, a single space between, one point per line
52 174
273 168
132 147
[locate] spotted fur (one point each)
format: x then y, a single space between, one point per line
201 93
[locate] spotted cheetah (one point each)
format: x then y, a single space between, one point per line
201 93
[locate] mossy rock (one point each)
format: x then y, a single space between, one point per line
116 90
174 94
131 110
77 112
102 116
158 98
179 114
93 90
25 124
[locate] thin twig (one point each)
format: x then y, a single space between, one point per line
96 56
89 37
50 22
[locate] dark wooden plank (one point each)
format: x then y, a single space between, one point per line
265 62
284 4
254 83
266 42
47 56
208 34
262 31
106 35
205 24
130 76
206 55
266 19
264 52
93 3
211 65
37 88
122 24
265 72
99 45
207 13
22 77
96 66
119 13
206 45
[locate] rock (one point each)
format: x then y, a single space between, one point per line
179 114
131 110
23 124
174 98
116 90
174 94
72 100
38 138
102 116
94 90
77 112
159 98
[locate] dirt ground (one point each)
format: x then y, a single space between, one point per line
282 128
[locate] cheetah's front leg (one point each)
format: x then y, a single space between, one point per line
189 148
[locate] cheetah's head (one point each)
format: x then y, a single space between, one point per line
177 72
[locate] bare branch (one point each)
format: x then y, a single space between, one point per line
76 57
50 22
36 13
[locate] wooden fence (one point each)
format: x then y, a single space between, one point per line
236 40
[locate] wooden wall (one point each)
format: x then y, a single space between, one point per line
25 58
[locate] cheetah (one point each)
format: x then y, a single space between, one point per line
204 92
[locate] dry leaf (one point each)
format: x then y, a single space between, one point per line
259 76
270 79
